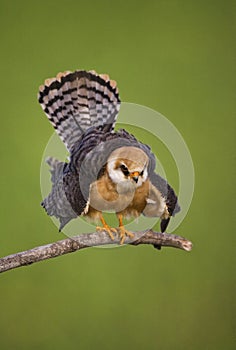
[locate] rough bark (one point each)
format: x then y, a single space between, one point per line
82 241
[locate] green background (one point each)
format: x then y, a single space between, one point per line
177 57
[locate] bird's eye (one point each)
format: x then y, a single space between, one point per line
124 170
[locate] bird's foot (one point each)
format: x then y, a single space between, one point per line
108 229
123 233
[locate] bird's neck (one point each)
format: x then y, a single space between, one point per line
122 187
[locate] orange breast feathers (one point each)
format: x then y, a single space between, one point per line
105 197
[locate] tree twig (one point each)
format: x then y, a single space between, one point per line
79 242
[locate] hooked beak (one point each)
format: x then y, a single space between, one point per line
134 176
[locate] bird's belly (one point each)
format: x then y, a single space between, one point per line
129 204
135 207
115 204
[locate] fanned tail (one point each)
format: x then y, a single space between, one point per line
75 102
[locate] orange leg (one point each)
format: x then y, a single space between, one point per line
123 232
106 227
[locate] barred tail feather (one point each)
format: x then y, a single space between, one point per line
74 102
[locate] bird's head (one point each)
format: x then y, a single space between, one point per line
127 167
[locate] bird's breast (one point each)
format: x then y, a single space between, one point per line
105 196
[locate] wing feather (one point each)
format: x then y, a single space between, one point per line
56 203
169 196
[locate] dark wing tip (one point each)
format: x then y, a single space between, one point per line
177 208
164 224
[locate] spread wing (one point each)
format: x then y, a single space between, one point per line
169 196
56 203
75 102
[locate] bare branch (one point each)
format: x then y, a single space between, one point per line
82 241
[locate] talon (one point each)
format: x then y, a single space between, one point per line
106 228
123 233
122 230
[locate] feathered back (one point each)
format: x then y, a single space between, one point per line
74 102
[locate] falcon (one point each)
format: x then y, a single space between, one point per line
107 170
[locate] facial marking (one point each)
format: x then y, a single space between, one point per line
128 165
124 170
